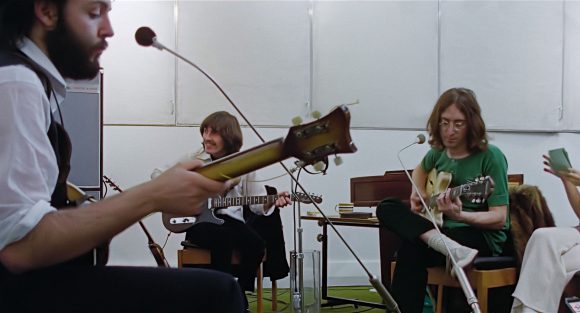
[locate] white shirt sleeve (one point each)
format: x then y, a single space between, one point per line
27 161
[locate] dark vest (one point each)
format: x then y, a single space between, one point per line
59 140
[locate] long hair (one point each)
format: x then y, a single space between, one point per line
528 212
227 126
466 102
17 18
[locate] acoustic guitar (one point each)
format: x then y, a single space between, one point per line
437 183
78 197
155 249
310 143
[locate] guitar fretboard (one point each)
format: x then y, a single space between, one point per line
231 201
466 189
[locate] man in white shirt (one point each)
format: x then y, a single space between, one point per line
221 135
42 246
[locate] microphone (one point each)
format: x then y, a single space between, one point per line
146 37
461 277
420 139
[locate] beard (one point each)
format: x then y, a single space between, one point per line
69 54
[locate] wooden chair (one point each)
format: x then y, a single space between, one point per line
488 272
201 256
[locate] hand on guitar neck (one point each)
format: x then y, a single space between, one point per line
444 200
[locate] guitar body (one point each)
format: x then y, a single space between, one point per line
476 191
179 224
436 184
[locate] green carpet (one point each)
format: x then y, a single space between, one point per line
362 293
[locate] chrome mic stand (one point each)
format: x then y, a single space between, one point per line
297 257
459 273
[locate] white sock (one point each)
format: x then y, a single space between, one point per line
463 255
436 242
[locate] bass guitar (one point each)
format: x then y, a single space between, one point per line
437 183
155 249
310 143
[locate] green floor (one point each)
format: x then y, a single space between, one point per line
352 292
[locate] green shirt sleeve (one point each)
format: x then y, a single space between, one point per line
495 165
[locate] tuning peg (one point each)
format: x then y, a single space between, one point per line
318 166
315 114
337 160
297 120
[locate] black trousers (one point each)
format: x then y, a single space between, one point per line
270 228
119 289
223 240
414 256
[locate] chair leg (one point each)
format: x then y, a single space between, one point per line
482 293
439 304
274 296
259 288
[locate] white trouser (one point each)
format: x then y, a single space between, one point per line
551 258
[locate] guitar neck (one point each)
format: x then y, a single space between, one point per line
456 191
244 162
249 200
453 192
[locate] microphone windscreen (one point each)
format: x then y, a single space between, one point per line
144 36
420 139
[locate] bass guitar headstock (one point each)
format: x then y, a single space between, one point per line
314 141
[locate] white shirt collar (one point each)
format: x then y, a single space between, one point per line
58 83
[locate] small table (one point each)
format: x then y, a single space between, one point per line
387 246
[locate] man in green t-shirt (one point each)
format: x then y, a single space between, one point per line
459 147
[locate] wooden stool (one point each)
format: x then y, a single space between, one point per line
202 256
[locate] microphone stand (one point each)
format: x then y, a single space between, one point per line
390 303
459 273
297 257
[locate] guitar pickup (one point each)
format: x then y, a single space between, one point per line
182 220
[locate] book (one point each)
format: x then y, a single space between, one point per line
559 159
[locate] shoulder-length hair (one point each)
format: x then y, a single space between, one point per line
17 18
465 100
227 126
